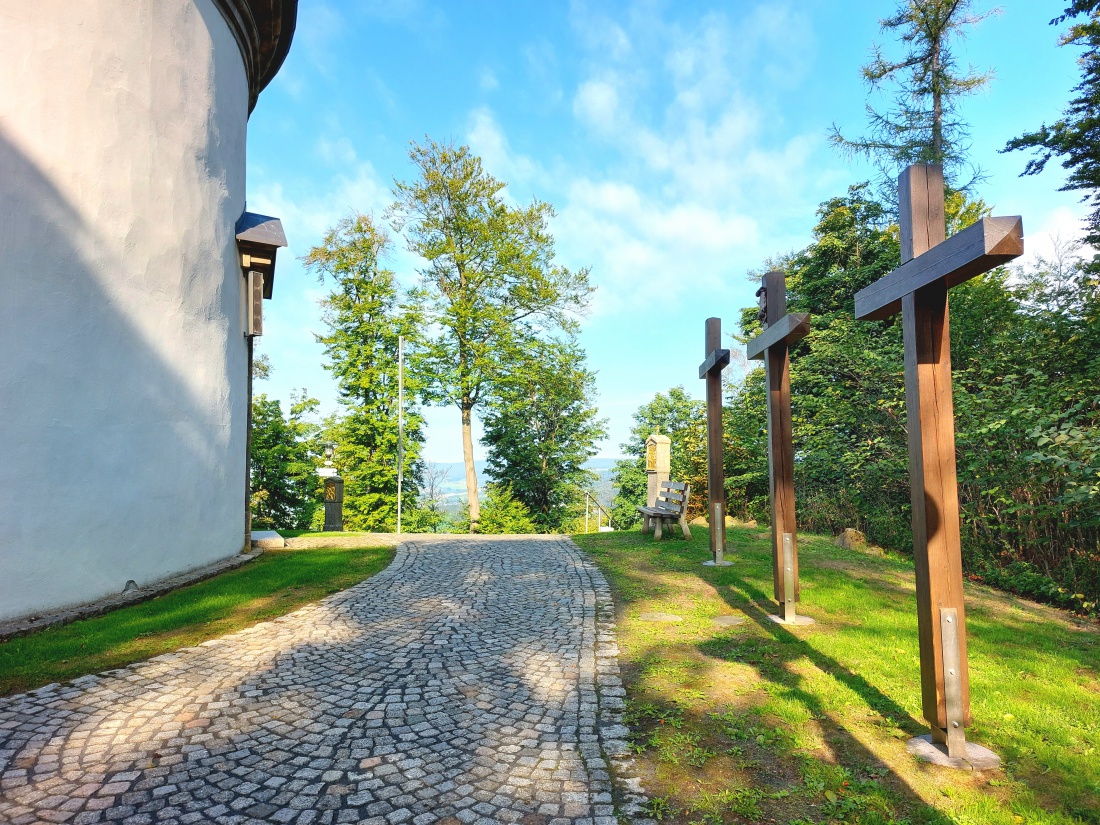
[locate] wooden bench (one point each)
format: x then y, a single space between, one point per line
671 505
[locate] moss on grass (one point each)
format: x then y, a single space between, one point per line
764 723
274 584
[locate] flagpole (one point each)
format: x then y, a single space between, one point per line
400 423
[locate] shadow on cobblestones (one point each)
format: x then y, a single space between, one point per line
458 685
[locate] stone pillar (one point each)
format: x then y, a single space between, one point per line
334 504
658 457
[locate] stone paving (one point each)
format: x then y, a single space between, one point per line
472 681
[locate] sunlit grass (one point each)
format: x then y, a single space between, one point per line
272 585
813 721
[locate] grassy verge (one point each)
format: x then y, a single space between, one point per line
274 584
761 723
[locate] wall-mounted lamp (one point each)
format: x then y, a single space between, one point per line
258 239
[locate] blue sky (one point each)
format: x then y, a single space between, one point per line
681 144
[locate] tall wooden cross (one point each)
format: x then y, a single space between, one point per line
711 370
773 345
918 289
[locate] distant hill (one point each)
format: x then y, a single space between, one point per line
454 484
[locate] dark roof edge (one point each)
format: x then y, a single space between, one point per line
263 30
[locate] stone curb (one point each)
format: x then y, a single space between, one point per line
373 539
610 696
30 624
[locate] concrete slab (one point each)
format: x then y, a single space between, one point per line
977 758
267 539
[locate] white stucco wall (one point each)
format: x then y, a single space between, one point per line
122 359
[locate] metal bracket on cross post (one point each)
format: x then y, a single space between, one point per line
788 608
718 528
788 611
954 736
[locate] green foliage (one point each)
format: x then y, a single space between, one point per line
364 319
286 490
921 125
502 513
491 285
1027 414
682 419
1075 137
541 427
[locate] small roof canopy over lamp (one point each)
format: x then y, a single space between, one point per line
258 239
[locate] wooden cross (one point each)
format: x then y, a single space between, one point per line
773 345
918 289
711 370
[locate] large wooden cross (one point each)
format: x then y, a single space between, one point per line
773 345
711 370
918 289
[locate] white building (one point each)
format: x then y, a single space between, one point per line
124 363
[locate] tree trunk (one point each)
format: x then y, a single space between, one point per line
471 474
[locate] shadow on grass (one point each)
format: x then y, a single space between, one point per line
794 647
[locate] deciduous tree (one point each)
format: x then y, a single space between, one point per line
284 482
541 427
490 284
683 420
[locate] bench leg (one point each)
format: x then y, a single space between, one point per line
657 531
684 526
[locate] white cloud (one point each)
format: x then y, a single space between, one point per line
487 80
336 151
487 140
308 209
596 105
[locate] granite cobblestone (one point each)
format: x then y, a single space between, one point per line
473 681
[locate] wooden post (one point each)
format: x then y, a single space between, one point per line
918 289
937 542
711 369
773 345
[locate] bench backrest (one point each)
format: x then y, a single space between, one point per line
673 496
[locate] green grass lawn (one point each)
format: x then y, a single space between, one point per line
275 583
761 723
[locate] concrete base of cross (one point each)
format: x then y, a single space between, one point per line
797 620
977 758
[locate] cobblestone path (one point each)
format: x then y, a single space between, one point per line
472 681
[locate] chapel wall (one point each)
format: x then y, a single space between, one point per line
122 357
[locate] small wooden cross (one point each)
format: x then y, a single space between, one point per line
711 370
918 289
773 345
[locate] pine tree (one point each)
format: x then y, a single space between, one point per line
922 126
364 318
1075 138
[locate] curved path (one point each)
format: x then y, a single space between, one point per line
472 681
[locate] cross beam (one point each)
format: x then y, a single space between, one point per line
918 289
773 345
711 370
